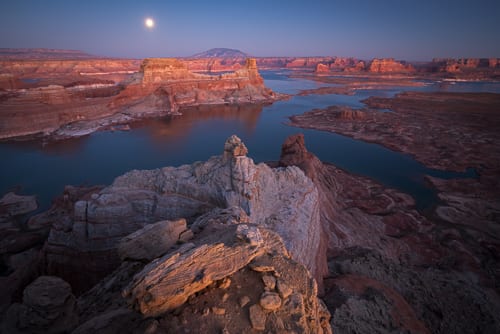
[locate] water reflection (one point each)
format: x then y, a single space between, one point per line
179 127
44 169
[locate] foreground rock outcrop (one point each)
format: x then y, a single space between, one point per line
284 199
229 246
234 278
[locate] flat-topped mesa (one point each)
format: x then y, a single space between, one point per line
451 65
389 65
162 70
156 70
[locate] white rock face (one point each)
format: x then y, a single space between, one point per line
281 199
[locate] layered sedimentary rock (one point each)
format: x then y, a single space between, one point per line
42 53
465 64
339 64
284 199
82 104
38 72
389 266
464 68
19 247
378 244
233 277
389 65
214 65
165 85
153 240
322 68
375 66
234 63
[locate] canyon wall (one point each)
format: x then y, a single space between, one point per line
389 65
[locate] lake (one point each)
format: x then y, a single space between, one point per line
43 169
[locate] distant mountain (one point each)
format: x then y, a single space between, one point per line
221 53
41 53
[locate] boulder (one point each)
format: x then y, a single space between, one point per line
151 241
168 282
15 205
48 307
212 285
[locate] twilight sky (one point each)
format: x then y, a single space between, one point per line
404 29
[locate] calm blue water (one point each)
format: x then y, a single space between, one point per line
33 168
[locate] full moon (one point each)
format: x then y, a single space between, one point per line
149 23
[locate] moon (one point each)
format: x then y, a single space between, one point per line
149 23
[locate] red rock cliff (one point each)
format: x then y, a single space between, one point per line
389 65
73 92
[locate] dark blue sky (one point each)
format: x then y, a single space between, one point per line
404 29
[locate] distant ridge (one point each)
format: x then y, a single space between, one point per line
221 53
42 53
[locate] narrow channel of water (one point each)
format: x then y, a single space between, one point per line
199 133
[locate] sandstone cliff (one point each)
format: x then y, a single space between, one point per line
389 65
165 85
38 72
73 99
467 68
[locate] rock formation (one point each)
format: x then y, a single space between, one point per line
72 98
282 199
240 266
153 240
232 277
465 68
249 243
389 65
322 68
42 53
378 244
48 307
19 247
